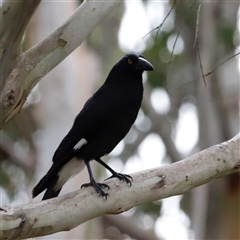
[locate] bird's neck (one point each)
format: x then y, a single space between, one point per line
125 78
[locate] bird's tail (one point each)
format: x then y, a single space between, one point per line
56 177
47 182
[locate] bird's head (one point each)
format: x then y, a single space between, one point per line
131 66
134 63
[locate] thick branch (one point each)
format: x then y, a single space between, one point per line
68 211
34 64
14 21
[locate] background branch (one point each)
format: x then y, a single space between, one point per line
46 217
7 149
128 226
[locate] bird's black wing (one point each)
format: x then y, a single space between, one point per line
97 115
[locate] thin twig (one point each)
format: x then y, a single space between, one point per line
200 62
158 28
210 72
197 26
175 42
196 43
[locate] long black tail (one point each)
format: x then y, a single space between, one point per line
47 182
50 193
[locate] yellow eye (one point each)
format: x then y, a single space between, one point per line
130 61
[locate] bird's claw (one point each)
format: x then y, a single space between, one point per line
98 187
123 177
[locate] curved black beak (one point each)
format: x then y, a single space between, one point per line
144 65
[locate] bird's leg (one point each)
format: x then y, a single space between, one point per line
120 176
97 186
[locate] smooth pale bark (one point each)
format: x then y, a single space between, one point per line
28 68
70 210
15 16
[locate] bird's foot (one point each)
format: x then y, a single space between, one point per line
123 177
98 187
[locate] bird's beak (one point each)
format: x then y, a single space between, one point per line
144 65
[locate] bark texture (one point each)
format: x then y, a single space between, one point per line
20 72
70 210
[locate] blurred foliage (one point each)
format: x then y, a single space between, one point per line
157 78
104 39
5 180
17 151
152 209
225 34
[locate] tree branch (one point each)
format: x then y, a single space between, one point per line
129 226
15 18
7 149
30 67
211 71
70 210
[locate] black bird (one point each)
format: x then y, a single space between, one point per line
102 123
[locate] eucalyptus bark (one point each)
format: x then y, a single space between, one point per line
68 211
20 72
